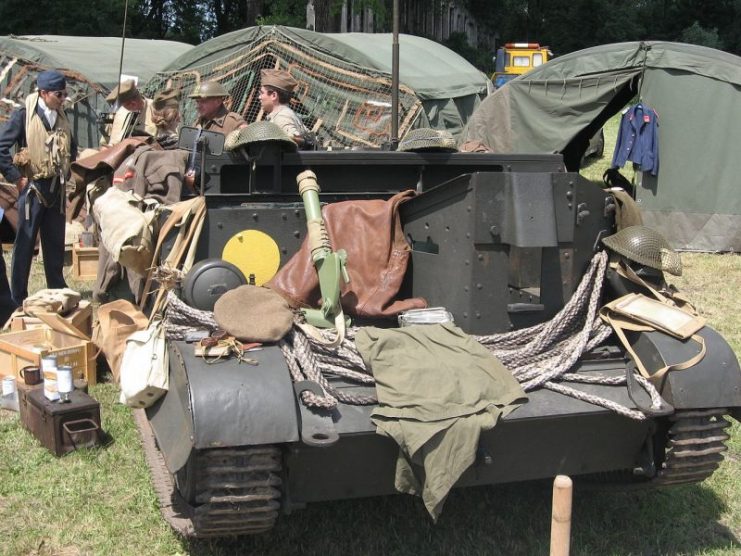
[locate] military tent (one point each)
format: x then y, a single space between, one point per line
695 200
344 91
91 65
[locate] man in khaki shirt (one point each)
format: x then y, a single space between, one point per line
212 114
130 100
275 96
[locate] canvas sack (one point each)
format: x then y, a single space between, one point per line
117 321
125 230
145 366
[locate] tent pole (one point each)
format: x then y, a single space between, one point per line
395 79
123 41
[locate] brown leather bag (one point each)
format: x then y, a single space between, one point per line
377 259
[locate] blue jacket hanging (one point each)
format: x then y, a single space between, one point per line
638 139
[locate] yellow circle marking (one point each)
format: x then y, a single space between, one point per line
253 252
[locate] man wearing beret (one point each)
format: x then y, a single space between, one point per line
130 101
275 96
212 114
40 170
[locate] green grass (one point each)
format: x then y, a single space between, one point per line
101 501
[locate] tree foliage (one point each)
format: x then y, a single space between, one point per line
564 25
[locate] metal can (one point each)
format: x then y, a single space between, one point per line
49 370
8 385
64 382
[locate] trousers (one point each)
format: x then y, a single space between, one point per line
38 213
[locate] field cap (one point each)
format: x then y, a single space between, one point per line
253 314
167 98
280 79
51 80
124 92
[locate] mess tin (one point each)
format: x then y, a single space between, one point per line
31 375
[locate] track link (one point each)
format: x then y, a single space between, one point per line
237 490
695 447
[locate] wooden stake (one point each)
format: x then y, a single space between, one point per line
561 516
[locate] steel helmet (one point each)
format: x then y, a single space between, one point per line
645 246
209 89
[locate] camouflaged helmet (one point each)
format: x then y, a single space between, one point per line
428 140
209 89
259 132
645 246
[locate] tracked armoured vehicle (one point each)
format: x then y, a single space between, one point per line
502 243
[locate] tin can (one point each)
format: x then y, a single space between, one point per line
9 385
64 382
9 398
49 370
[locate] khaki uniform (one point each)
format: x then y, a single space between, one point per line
285 118
143 123
225 122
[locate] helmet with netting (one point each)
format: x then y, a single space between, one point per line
645 246
428 140
259 132
208 89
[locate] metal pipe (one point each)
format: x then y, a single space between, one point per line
395 79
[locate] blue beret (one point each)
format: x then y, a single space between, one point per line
51 80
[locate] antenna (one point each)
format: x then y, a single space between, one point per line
395 79
123 42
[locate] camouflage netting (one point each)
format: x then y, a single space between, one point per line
340 97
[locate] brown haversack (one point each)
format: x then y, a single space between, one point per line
253 314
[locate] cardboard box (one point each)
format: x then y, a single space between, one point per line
84 263
81 318
69 345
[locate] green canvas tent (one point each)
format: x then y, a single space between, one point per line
90 64
344 79
695 201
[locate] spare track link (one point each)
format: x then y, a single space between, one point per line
695 446
237 492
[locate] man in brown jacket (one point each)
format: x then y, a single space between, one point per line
212 114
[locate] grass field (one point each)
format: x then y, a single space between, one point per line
101 502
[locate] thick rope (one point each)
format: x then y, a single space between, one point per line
538 357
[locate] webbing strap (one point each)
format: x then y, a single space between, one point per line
620 324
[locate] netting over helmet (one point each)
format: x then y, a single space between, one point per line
427 139
343 103
258 132
645 246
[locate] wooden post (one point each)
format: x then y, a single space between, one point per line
561 516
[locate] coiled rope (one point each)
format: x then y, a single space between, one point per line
538 357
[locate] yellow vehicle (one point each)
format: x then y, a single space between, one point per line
516 58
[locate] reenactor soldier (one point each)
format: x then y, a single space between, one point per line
130 100
275 95
212 114
166 117
40 170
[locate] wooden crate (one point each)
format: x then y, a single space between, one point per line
84 263
81 318
27 347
